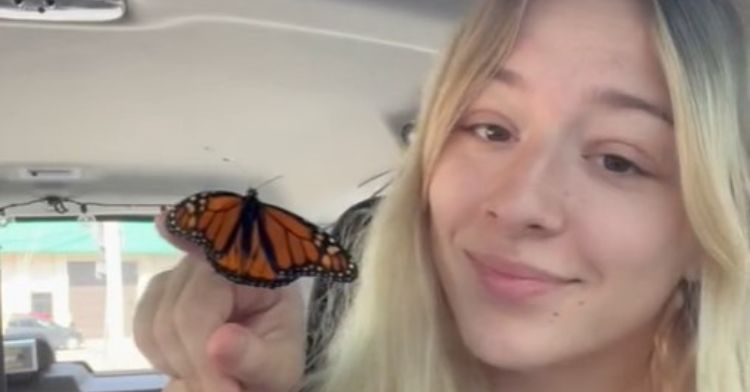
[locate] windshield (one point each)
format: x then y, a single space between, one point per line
76 284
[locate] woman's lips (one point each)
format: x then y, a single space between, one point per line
514 281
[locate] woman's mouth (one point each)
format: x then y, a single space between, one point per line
513 281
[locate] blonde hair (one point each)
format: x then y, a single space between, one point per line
398 335
703 49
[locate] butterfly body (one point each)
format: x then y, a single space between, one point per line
254 243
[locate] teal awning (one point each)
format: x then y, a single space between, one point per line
77 237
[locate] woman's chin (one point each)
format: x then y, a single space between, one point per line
516 352
518 360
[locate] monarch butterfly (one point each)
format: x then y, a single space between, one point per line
258 244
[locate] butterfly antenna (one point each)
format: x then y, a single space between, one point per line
264 183
381 189
373 178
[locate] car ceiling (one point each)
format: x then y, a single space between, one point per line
188 95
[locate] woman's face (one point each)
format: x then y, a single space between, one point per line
555 209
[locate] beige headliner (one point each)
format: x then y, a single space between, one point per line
149 107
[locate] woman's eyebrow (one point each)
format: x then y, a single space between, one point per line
618 99
612 97
511 78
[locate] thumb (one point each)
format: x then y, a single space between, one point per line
228 346
253 362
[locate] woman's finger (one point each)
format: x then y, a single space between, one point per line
143 323
204 304
164 324
176 385
178 242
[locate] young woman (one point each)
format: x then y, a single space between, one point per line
573 216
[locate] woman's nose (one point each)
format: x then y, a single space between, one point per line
526 197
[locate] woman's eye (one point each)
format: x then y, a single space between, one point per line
491 132
619 165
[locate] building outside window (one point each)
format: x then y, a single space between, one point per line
78 284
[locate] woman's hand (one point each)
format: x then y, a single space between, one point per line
211 335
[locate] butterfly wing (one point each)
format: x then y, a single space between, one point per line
246 262
297 247
209 219
273 247
253 243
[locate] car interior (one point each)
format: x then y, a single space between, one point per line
114 110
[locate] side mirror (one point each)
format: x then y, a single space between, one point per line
26 357
21 356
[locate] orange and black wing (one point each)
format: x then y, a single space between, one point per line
209 219
273 247
300 248
257 244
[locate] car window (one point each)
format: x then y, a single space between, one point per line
61 280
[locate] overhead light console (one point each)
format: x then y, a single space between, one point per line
86 11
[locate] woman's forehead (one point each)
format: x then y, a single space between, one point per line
629 13
589 44
615 26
